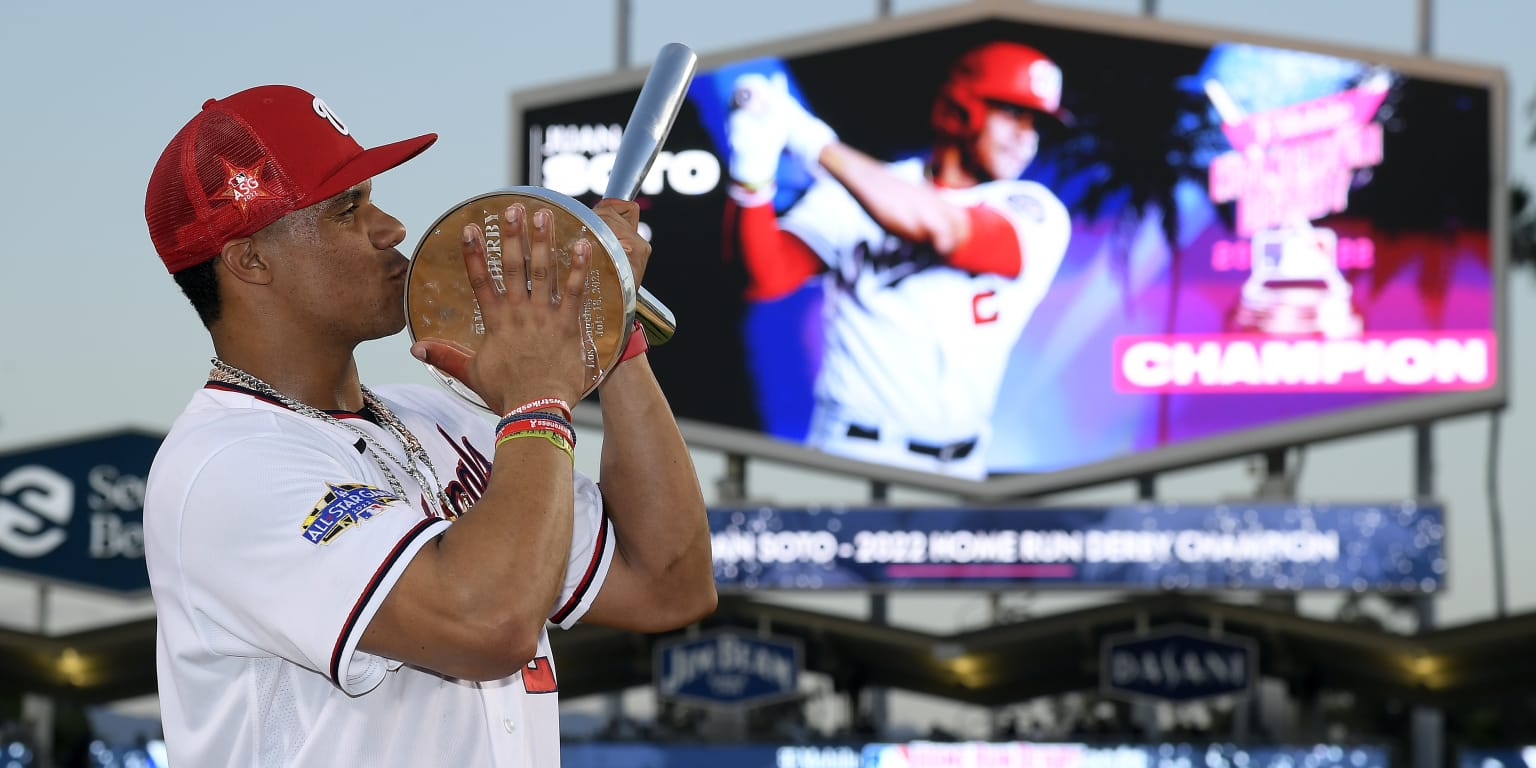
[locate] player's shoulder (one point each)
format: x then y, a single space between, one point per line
217 415
910 168
1029 201
432 403
223 431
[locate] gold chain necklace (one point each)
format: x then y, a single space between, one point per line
415 455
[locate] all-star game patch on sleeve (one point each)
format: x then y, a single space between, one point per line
342 507
288 550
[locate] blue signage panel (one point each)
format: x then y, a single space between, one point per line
617 755
1506 757
74 512
728 666
1016 754
1389 547
1023 754
1176 663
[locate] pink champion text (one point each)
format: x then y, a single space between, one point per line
1425 361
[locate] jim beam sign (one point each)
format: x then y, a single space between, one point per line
728 667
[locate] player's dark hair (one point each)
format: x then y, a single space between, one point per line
201 285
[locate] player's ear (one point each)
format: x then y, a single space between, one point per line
243 261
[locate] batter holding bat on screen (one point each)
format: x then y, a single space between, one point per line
933 265
350 576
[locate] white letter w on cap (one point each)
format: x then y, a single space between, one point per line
324 110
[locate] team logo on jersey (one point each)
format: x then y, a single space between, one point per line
242 185
469 479
342 507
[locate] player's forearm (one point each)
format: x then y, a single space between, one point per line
502 564
909 210
651 493
471 604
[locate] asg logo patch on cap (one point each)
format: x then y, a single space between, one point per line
242 185
342 507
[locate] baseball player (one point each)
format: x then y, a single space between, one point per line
932 265
350 577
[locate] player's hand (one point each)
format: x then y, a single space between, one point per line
623 217
533 334
782 122
807 135
757 131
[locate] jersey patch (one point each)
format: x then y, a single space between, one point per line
342 507
1027 206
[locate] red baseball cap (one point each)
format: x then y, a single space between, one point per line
246 161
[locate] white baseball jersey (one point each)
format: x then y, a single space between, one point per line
272 539
916 349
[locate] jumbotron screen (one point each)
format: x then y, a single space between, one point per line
1000 248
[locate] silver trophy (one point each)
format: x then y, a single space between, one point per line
438 299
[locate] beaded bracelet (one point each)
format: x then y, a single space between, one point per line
516 418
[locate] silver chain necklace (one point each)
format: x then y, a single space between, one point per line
415 455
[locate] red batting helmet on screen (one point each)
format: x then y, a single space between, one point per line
1010 73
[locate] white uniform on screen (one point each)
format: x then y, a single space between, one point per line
916 349
283 622
932 266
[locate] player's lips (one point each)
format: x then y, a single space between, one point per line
399 272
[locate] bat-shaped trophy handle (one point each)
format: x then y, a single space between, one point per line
439 302
655 110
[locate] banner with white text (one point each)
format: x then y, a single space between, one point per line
1387 547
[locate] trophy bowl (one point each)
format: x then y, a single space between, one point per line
439 303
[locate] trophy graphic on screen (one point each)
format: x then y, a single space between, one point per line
1295 286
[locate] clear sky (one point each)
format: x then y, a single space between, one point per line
98 337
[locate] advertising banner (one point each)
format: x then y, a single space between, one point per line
1177 663
728 667
74 512
1507 757
1395 547
921 754
1018 754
